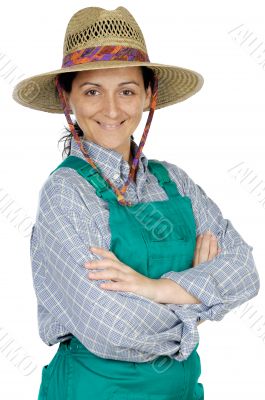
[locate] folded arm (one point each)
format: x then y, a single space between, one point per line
230 278
116 325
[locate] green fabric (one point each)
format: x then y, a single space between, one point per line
154 238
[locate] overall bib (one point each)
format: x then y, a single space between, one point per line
155 237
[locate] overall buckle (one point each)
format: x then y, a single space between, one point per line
92 176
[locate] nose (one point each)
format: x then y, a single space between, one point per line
110 106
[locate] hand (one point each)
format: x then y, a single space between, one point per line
121 276
206 248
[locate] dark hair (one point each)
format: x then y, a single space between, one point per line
66 80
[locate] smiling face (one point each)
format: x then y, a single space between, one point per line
108 105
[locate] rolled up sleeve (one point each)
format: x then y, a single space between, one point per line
230 278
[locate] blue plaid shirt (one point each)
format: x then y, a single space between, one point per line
115 324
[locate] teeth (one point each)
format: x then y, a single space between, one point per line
110 126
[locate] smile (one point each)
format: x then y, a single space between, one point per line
110 126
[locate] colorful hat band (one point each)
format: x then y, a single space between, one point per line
104 53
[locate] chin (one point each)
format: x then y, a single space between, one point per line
109 143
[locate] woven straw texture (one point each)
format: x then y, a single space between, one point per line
93 27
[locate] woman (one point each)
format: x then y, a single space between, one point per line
116 235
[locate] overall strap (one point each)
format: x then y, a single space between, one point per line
92 176
161 173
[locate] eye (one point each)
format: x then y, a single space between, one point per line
91 92
127 92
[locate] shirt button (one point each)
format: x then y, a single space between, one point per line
116 176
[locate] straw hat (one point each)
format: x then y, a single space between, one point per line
96 38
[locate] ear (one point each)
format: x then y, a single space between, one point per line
66 96
147 98
67 99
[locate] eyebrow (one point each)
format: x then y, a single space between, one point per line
98 85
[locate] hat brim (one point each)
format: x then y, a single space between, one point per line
175 84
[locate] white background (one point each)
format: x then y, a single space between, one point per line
221 126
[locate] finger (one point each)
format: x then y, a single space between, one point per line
205 246
197 250
104 252
108 274
104 263
199 241
213 247
115 286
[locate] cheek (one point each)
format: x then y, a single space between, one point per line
135 109
84 110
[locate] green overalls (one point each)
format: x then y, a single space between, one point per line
153 238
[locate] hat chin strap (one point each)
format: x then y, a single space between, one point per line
135 162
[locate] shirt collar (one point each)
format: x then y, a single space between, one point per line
109 161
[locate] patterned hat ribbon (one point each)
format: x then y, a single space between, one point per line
104 53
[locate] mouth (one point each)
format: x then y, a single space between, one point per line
110 127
